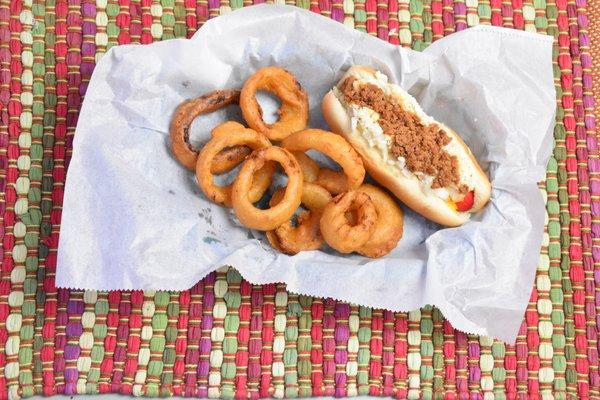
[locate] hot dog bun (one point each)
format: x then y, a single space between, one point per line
385 169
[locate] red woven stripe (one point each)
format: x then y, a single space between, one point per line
4 140
316 353
243 337
587 361
198 351
393 24
266 356
376 353
133 343
120 355
400 353
341 315
382 20
255 343
533 344
388 353
371 23
461 364
110 342
328 347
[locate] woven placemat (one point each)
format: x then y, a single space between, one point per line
594 15
225 337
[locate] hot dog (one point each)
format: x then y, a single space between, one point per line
421 161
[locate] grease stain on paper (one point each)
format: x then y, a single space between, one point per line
205 214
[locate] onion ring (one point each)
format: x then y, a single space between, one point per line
230 157
333 146
305 235
227 128
334 181
293 113
335 228
310 168
222 194
389 225
272 235
274 241
185 114
271 218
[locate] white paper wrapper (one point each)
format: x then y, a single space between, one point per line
133 217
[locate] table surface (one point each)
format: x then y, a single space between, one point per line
225 337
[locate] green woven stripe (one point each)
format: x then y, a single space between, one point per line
38 110
427 18
167 20
290 354
179 29
112 30
426 353
360 15
304 347
99 332
438 355
168 359
233 300
157 343
364 350
417 23
499 372
556 197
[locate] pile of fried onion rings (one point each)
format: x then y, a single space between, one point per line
339 209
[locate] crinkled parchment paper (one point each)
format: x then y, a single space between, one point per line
133 217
